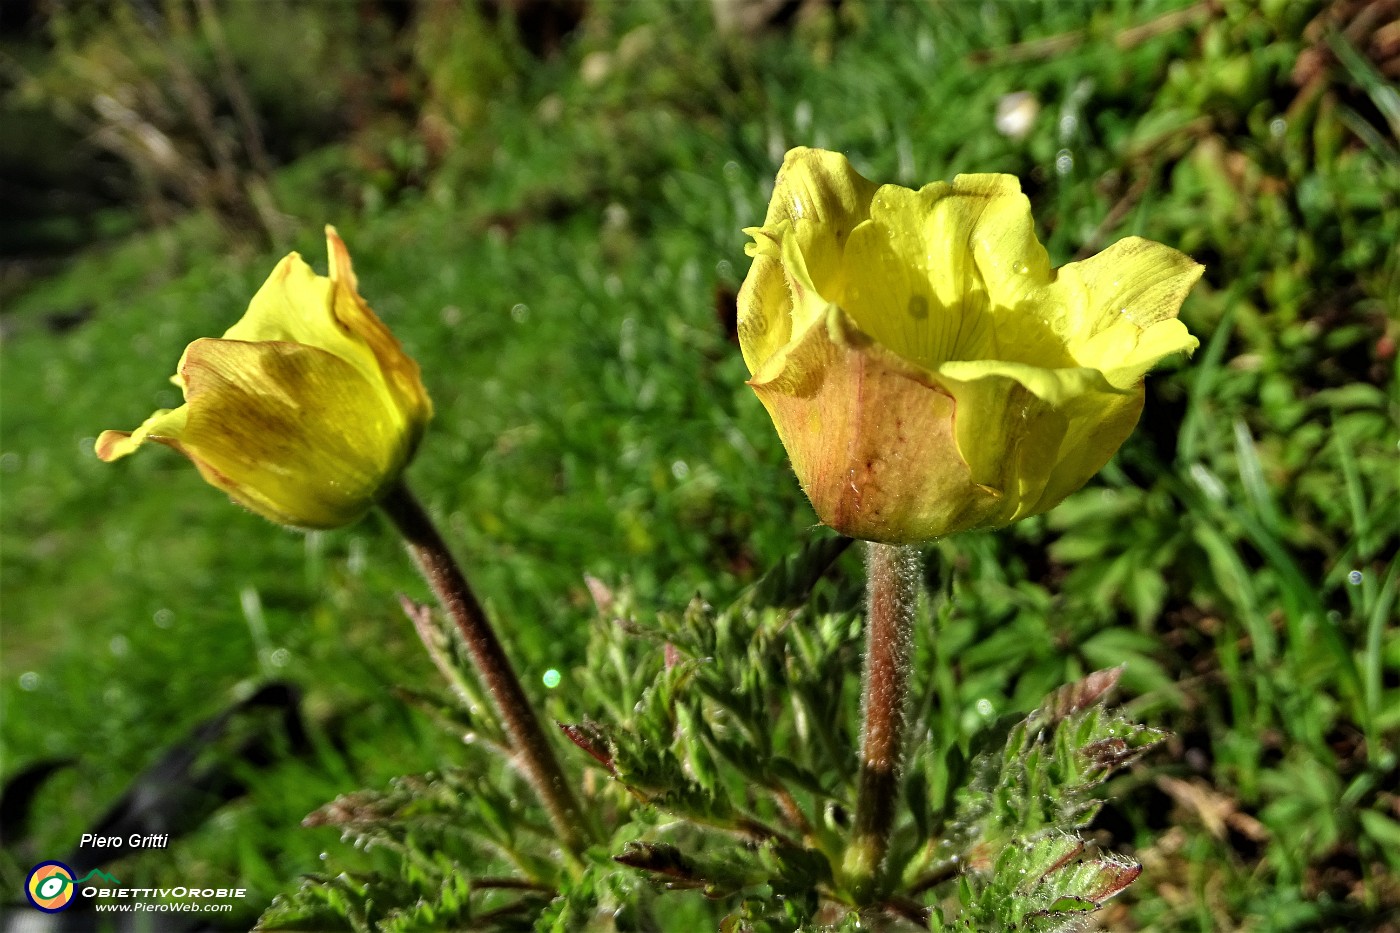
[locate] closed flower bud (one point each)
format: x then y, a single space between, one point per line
926 368
306 411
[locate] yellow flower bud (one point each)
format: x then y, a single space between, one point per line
926 368
305 411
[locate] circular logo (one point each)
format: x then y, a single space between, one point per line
50 887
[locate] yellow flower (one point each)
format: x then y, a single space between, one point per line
926 369
305 411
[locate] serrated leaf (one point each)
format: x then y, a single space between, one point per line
593 740
659 859
1072 904
1051 855
1092 880
1078 696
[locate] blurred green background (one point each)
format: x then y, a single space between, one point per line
543 200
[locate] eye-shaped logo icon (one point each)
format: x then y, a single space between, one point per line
50 887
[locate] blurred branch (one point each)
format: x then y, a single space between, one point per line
134 86
233 87
1050 46
255 185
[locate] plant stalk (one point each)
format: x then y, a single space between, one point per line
533 754
892 572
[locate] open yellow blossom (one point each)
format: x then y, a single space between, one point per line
306 411
926 368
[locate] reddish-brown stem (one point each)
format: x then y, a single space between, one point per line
533 754
893 574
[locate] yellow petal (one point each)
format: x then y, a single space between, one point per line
295 305
806 307
890 292
398 369
1054 387
1131 288
1096 426
823 198
765 312
819 199
953 272
298 306
1016 423
290 431
1013 265
163 426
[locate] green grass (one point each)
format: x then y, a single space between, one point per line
556 276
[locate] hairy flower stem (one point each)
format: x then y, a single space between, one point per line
534 755
893 573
